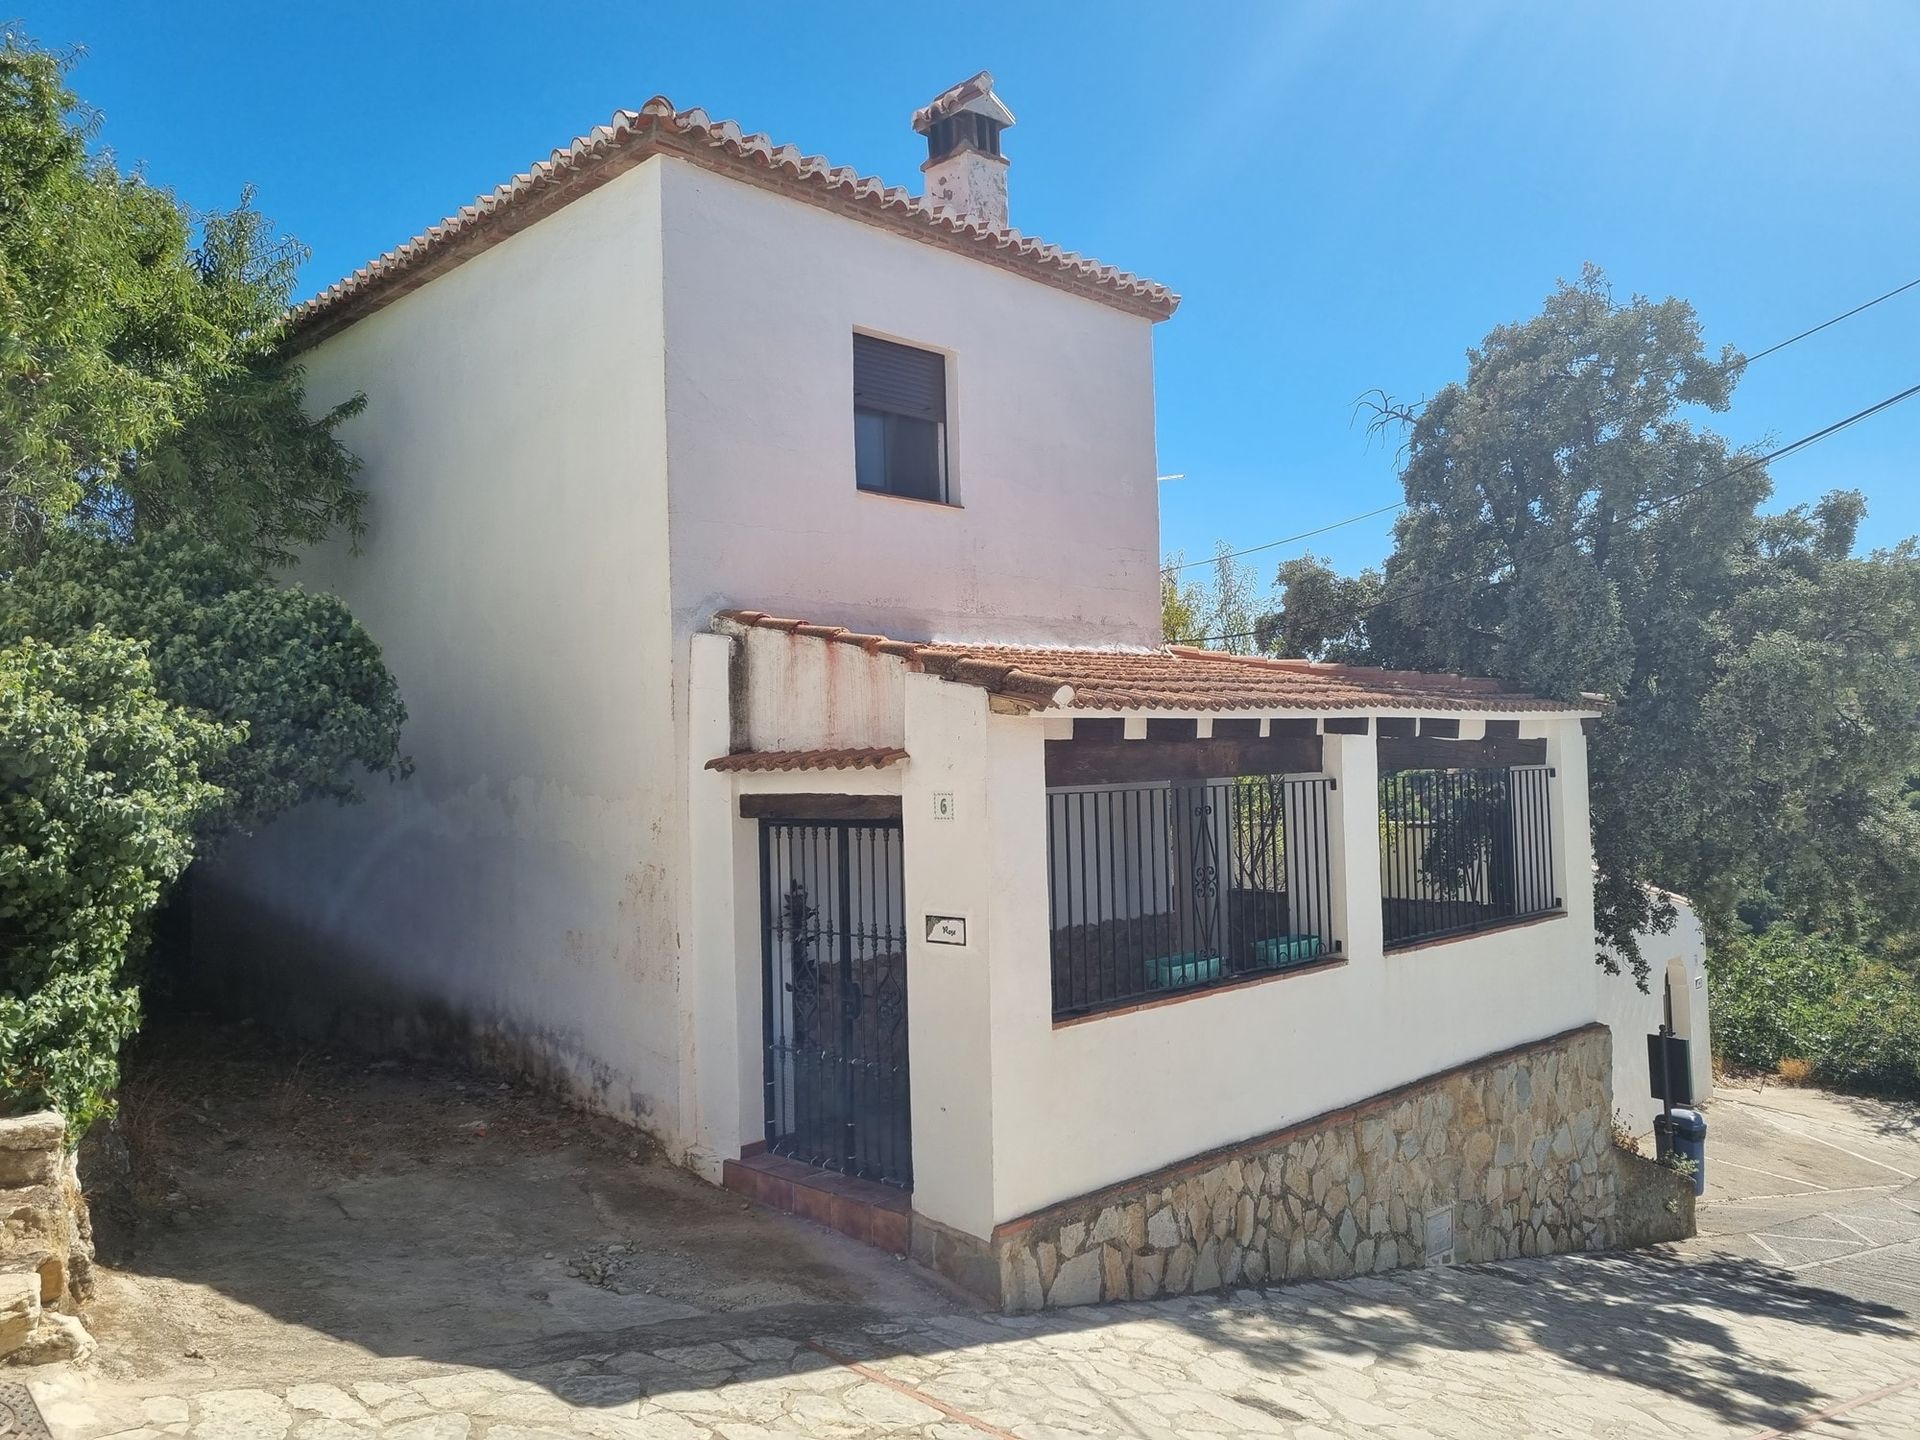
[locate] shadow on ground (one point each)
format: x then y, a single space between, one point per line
321 1218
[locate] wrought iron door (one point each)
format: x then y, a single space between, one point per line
834 965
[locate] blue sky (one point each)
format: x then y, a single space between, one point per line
1347 195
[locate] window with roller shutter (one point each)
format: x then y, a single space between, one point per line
899 419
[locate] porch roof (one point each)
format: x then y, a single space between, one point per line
872 757
1175 677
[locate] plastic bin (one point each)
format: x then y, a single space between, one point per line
1286 950
1687 1135
1177 972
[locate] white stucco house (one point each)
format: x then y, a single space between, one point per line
769 561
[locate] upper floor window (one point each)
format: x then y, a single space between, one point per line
899 419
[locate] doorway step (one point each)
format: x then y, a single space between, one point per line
864 1210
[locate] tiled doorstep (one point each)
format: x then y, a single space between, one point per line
874 1214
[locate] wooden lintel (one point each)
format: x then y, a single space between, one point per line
1124 762
1433 753
820 807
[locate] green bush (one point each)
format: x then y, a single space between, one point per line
293 667
1783 995
100 787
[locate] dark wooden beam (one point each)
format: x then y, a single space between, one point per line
1432 753
1400 727
820 807
1129 762
1293 725
1346 725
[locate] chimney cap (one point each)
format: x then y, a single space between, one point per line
974 95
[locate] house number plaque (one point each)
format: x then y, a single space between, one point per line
946 930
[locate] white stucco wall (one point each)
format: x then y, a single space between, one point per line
523 882
1679 958
1050 433
806 695
1073 1108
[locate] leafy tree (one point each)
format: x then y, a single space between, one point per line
1232 604
140 374
302 681
1322 614
100 785
1182 604
1570 528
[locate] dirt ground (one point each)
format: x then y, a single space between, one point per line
312 1247
285 1214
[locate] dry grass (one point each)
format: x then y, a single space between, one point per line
1795 1072
1623 1136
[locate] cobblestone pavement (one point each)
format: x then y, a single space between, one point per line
1824 1187
442 1296
1627 1346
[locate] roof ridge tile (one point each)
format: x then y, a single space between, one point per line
658 126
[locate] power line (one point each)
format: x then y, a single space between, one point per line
1640 513
1794 339
1401 504
1290 539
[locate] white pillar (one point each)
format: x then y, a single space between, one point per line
1572 823
711 1000
1354 764
948 837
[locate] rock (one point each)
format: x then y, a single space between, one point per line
1149 1274
19 1310
1078 1282
1111 1224
55 1337
1243 1222
1163 1229
1071 1238
1113 1273
1179 1279
1206 1268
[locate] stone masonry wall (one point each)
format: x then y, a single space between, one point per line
1507 1156
46 1242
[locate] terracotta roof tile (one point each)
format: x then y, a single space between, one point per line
871 758
658 128
1177 677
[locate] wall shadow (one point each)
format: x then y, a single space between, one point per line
400 1213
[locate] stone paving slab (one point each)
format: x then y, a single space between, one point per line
1616 1346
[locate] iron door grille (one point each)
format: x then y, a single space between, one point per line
834 958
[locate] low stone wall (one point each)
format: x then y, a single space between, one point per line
46 1242
1656 1202
1510 1155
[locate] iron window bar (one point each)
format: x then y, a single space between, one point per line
1182 886
1463 851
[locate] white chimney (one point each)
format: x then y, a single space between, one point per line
966 173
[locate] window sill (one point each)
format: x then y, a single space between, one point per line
1407 947
908 499
1201 992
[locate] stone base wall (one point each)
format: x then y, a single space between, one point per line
1510 1155
46 1242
